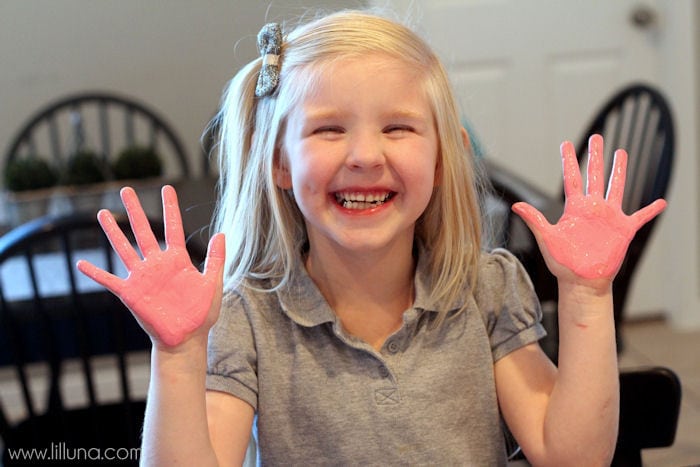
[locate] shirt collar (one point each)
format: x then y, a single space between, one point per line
302 301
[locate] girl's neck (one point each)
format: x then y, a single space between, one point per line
368 292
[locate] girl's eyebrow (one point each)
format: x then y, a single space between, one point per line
407 114
313 114
328 113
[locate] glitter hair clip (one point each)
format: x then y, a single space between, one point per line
270 47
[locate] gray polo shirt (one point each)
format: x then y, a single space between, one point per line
323 397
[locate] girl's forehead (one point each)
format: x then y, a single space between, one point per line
378 68
365 63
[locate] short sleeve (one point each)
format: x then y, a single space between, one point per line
231 354
508 303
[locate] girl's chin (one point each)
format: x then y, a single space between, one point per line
368 242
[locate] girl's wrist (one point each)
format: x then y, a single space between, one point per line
189 357
585 289
586 303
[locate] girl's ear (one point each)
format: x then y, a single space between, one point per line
465 138
283 178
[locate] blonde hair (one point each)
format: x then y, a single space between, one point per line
264 227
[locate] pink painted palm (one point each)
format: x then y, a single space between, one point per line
169 297
592 236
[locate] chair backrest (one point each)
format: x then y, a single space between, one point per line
638 119
62 334
102 122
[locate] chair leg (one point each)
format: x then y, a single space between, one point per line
627 459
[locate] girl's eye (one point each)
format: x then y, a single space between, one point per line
397 129
328 129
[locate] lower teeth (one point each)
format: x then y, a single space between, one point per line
361 204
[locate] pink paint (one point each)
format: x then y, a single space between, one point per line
169 297
592 236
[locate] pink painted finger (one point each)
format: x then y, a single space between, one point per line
595 174
174 231
139 222
216 256
616 186
117 239
111 282
649 212
534 219
572 174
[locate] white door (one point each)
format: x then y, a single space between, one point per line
529 74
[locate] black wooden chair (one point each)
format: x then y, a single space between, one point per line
52 319
103 123
638 119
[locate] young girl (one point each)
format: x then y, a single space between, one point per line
361 323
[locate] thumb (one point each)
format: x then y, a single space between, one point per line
534 219
107 280
216 257
647 213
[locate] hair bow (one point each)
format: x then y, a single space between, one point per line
270 47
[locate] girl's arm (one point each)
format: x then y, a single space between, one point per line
569 415
185 426
230 422
176 305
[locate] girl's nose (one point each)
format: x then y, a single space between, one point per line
366 151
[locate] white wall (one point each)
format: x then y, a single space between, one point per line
175 55
676 249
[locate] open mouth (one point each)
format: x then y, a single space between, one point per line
356 200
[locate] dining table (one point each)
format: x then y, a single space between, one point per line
197 199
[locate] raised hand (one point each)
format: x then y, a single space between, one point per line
169 297
592 236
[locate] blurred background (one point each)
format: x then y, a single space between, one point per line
528 75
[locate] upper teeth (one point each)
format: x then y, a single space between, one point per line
362 197
360 200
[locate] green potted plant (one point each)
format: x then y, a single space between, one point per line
29 173
84 167
136 162
26 180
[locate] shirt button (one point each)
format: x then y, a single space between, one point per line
384 371
393 347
